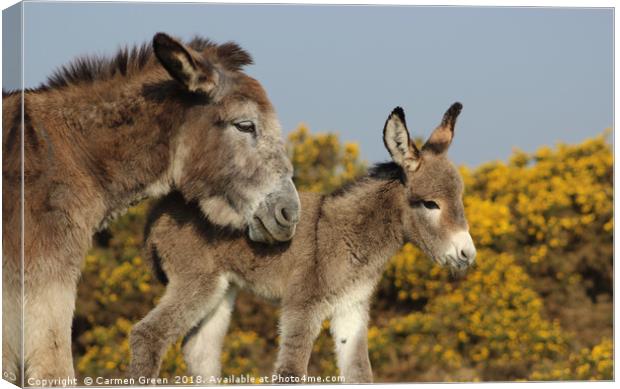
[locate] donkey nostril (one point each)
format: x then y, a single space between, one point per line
291 214
468 254
287 216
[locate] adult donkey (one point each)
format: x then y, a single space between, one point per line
328 271
103 134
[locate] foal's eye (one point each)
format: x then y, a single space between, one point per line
246 126
430 205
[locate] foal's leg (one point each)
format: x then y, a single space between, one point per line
187 299
349 328
203 345
299 327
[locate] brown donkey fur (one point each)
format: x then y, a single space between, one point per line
327 271
103 134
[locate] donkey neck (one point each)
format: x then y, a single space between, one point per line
121 132
369 217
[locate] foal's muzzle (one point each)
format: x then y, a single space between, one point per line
461 252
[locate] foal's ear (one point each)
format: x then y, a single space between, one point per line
440 139
398 143
183 66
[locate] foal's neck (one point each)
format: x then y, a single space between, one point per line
370 218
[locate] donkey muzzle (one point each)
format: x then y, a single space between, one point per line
277 216
462 252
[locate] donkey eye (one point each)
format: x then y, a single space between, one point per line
430 205
246 126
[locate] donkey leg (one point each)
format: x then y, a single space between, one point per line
299 327
11 327
202 346
349 328
187 299
48 314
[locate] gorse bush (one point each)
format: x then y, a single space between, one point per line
488 326
559 227
537 306
321 163
594 363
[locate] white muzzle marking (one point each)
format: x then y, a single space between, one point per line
461 252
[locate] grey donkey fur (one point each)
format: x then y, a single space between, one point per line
327 271
103 134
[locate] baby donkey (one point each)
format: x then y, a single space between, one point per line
328 271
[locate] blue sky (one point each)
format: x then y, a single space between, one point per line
526 76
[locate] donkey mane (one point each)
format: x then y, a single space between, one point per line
384 171
389 171
128 61
87 69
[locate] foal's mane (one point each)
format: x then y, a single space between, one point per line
384 171
128 61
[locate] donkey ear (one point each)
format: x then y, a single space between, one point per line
440 139
178 60
397 141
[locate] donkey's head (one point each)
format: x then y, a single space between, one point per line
433 213
228 155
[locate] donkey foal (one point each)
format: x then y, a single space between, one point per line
328 271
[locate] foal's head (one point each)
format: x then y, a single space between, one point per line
433 213
230 156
